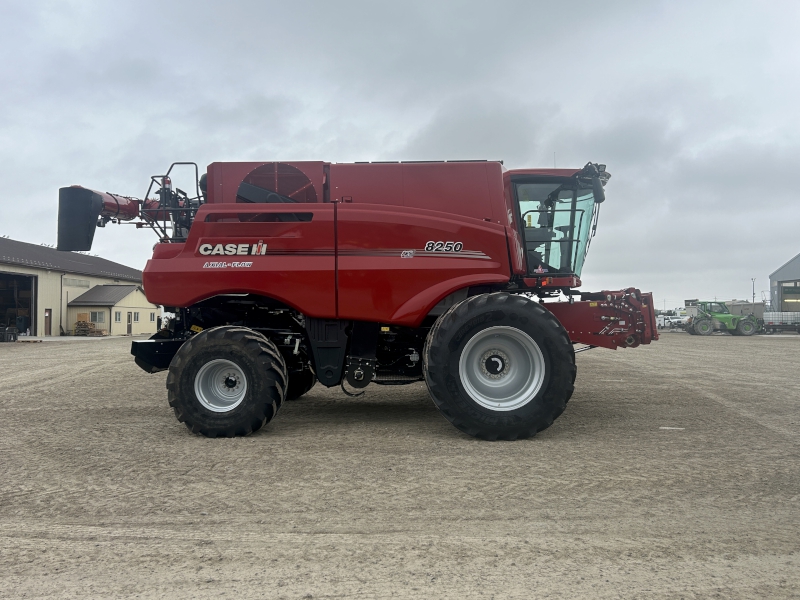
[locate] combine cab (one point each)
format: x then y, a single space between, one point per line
461 274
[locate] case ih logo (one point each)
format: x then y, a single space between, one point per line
258 249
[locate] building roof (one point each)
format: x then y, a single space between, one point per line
790 270
22 254
103 295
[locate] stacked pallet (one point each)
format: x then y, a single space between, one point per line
86 328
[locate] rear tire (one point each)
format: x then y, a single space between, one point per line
499 366
300 384
226 381
704 327
745 327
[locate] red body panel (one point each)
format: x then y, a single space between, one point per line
298 268
383 210
385 273
469 189
516 245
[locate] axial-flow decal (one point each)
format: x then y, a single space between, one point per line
226 265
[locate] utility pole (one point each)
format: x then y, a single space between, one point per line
753 279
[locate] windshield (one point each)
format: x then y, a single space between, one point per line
558 220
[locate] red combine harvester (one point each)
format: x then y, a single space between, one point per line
284 274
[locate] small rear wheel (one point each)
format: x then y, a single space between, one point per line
499 366
704 327
226 381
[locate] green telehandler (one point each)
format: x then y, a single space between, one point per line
715 316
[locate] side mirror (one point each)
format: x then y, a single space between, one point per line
598 191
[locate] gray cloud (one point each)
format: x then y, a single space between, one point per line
485 126
691 106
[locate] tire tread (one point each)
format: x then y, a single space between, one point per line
435 355
260 350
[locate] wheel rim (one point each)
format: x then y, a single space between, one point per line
220 385
747 327
502 368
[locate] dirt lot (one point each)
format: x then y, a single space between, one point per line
673 473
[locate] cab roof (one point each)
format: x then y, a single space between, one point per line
545 172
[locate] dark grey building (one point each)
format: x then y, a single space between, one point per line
784 287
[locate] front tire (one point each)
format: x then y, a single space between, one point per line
226 382
499 366
704 327
746 327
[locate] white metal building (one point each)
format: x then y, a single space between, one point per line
37 283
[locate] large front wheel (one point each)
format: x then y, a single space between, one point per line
499 366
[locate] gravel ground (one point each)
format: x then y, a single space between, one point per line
672 473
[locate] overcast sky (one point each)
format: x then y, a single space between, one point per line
692 105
